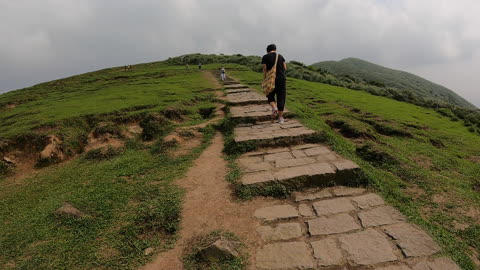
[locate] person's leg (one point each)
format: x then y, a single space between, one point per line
271 100
281 98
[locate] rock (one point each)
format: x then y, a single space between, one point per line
333 206
221 249
368 201
276 212
346 191
393 267
305 210
367 247
310 196
380 216
413 242
53 151
441 263
327 252
148 251
284 231
70 210
339 223
9 161
291 255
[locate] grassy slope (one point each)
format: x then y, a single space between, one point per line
393 78
435 186
130 200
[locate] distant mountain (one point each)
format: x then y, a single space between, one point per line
401 80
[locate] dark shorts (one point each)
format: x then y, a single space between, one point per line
280 92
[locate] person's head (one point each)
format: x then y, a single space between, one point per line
271 47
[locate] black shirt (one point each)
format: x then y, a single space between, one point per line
269 60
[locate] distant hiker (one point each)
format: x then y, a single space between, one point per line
199 65
222 74
186 66
275 81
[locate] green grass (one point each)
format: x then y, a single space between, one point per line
414 155
128 194
130 202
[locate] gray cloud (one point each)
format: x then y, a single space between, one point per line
45 40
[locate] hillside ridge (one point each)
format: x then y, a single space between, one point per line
402 80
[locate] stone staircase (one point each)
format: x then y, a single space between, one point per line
284 154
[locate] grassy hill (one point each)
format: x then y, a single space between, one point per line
420 160
402 81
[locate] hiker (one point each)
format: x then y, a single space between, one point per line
199 65
222 74
186 66
280 90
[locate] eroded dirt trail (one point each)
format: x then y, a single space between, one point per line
209 205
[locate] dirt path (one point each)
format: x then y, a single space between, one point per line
209 205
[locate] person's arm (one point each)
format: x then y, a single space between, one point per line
264 66
285 65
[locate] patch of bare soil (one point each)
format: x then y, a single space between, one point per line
53 150
475 159
422 161
10 106
132 130
209 205
210 76
186 139
102 141
23 166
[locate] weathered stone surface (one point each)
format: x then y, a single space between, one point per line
238 90
394 267
277 150
250 160
321 168
343 165
278 156
368 201
257 177
292 255
319 150
305 210
284 163
298 153
256 167
259 111
305 146
326 158
283 231
367 247
275 212
412 241
327 252
380 216
293 172
232 86
347 191
69 210
269 131
339 223
246 98
148 251
441 263
333 206
8 161
309 196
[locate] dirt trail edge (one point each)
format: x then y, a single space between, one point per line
209 205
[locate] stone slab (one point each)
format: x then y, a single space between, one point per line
234 86
270 131
368 201
333 206
278 156
276 212
292 162
263 111
291 255
319 150
383 215
412 241
238 90
327 252
283 231
345 165
367 247
246 98
347 191
305 210
339 223
312 195
256 167
257 177
441 263
394 267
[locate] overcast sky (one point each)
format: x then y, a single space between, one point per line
42 40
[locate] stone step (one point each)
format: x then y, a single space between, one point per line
238 90
234 86
230 82
300 165
256 112
268 133
245 98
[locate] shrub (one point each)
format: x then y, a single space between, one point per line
207 112
154 126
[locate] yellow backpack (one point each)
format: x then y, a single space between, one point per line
268 83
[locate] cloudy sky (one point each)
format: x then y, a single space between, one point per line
42 40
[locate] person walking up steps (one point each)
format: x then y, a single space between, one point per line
280 90
222 74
